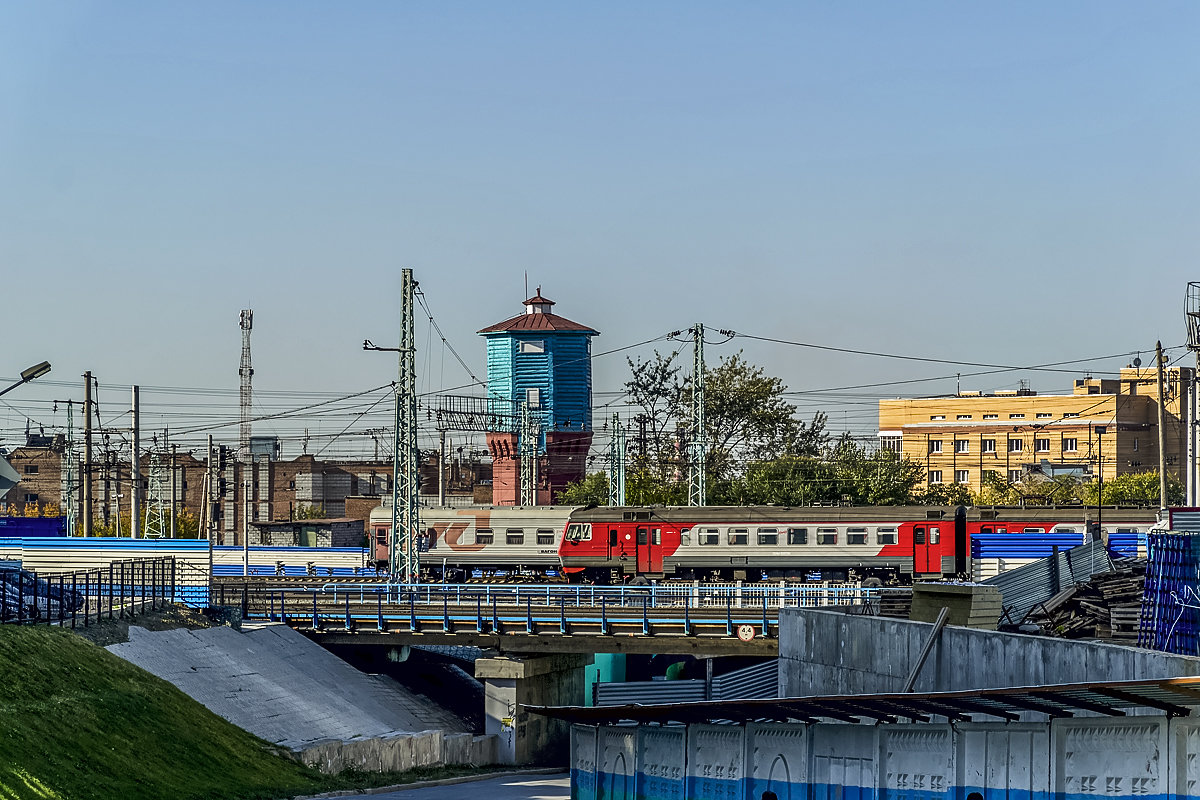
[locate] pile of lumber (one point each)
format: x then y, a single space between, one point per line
1108 607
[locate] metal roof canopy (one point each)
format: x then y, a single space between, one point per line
1175 696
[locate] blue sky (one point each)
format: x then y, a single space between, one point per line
1007 183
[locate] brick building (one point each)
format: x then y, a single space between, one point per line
1105 427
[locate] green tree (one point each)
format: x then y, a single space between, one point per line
877 477
591 491
943 494
309 511
1135 488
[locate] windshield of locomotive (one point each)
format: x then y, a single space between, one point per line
578 531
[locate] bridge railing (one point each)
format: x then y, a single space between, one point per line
696 595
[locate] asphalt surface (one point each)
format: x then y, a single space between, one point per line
513 787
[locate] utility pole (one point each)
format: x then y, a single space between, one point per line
135 472
174 485
698 445
246 527
245 372
1162 431
69 494
87 453
616 464
1192 318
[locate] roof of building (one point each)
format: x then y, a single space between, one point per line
1174 696
539 321
288 523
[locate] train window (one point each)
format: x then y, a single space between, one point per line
579 532
885 536
709 536
826 535
1062 529
856 536
612 538
483 536
641 535
739 535
685 536
381 535
768 536
797 536
656 536
935 535
545 536
918 535
514 536
1033 530
1119 530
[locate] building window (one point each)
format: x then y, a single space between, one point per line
1044 415
31 497
935 446
533 397
1014 476
962 446
514 536
797 536
826 535
739 535
962 476
533 346
709 536
892 443
545 536
856 536
1016 416
1041 445
988 445
1070 414
885 536
990 474
937 416
1016 445
1070 445
963 416
31 469
935 476
991 416
768 536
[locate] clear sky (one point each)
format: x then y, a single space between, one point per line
1001 183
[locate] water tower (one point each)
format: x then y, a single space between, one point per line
540 371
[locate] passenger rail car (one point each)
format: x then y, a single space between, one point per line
873 544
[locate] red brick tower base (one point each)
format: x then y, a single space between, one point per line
564 463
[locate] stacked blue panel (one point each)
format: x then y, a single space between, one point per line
1126 544
1022 545
1171 604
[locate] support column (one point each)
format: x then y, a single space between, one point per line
510 684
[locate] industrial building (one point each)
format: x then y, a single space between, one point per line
1105 428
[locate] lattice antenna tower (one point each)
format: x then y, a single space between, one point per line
698 445
406 523
68 471
1193 316
616 464
158 507
246 372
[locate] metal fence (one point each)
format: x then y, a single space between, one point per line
122 589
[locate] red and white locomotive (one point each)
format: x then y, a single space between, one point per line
877 543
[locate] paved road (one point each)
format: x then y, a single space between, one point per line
520 787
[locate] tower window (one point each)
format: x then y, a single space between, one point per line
533 397
533 346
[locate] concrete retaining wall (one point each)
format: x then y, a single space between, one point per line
399 752
825 652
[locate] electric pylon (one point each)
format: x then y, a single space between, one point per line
698 444
616 464
158 513
528 448
406 523
246 372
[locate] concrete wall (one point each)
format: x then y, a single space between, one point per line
1135 757
825 652
399 752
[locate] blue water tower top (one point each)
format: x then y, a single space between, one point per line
544 360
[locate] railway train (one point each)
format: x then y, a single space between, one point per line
878 544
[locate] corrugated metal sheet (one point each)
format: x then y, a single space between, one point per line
1025 587
752 683
757 682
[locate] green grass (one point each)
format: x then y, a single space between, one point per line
78 722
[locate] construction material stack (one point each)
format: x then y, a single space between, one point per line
1170 619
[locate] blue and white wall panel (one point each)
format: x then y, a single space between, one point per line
843 765
1004 762
229 560
1185 758
1119 758
616 754
661 763
715 757
777 761
583 762
916 762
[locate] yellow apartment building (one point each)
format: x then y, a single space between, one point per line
1105 427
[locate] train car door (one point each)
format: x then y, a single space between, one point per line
649 549
926 557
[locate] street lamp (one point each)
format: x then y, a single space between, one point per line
36 371
1100 431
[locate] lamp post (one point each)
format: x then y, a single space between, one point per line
36 371
1100 431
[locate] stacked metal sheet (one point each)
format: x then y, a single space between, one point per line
1171 607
